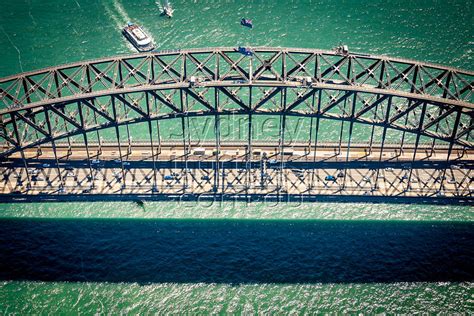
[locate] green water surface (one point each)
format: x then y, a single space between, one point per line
36 34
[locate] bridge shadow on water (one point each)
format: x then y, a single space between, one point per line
235 251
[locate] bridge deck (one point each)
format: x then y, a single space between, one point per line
238 152
299 171
357 96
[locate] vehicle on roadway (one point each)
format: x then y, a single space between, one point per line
245 51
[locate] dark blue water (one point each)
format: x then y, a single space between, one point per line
243 251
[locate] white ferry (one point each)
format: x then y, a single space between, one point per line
138 37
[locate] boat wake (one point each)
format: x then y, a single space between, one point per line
120 18
117 13
120 9
160 6
166 9
118 23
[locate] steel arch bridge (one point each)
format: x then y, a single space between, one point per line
348 126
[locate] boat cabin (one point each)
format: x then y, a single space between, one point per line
137 37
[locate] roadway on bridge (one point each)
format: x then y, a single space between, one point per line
270 170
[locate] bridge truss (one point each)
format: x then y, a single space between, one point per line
346 125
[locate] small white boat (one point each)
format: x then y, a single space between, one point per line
135 34
167 10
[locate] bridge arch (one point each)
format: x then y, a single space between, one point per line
424 99
339 111
68 119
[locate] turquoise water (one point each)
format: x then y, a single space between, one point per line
240 210
36 34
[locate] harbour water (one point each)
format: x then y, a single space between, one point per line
165 257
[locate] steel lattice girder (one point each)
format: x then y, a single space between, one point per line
217 65
388 92
444 122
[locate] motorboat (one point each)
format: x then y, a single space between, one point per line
135 34
247 23
167 10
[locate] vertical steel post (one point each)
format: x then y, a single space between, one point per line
248 163
451 144
217 132
351 125
83 126
384 133
418 134
117 134
283 100
22 153
311 122
99 150
316 134
373 126
150 133
67 131
53 143
38 150
157 131
88 77
441 109
385 127
402 142
342 129
89 89
184 121
183 99
152 70
122 84
157 128
217 128
129 139
412 89
56 81
28 99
